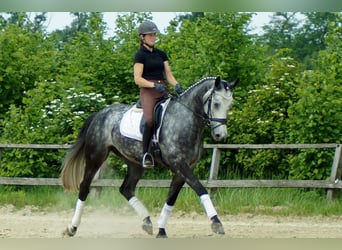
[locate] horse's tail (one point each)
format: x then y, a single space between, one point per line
74 161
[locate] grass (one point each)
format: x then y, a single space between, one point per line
260 201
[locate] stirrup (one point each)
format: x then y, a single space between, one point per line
148 161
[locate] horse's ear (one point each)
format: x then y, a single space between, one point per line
217 81
234 83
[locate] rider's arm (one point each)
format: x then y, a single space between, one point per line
168 74
138 79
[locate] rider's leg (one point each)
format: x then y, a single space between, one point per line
147 160
149 98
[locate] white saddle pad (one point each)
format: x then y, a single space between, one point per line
130 122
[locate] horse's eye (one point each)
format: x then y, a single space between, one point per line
216 105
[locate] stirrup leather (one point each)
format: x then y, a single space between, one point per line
149 162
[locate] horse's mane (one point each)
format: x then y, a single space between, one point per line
197 83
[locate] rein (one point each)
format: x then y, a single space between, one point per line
207 118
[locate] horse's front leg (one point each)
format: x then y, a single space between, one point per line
205 199
127 189
175 187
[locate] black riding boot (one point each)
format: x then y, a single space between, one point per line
147 161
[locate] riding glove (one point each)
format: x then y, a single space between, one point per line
159 87
178 88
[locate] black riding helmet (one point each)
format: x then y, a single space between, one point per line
147 27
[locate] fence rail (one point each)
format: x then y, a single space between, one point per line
24 181
333 185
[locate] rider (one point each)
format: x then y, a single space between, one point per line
152 72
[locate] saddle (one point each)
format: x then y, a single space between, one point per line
132 122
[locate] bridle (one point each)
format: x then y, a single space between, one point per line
207 117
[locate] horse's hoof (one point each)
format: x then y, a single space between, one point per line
70 231
147 225
217 227
161 233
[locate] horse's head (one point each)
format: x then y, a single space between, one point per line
217 102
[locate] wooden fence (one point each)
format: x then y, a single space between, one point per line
333 185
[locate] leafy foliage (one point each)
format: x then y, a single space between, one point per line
24 59
305 37
48 117
317 114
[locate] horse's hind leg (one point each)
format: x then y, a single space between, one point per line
93 164
127 189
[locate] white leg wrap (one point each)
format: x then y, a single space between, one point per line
138 207
76 219
208 205
164 215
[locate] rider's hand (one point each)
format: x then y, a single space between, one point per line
159 87
178 88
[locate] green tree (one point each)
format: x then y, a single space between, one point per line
216 44
51 114
192 16
78 24
262 119
25 57
303 33
87 60
317 115
280 32
310 38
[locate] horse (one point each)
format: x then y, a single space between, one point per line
206 102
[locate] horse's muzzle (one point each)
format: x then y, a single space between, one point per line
219 133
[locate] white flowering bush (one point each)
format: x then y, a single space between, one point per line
51 115
65 116
263 119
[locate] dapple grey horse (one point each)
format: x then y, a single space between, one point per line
206 102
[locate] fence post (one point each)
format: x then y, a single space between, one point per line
215 163
336 173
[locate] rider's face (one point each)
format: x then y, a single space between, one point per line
150 39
